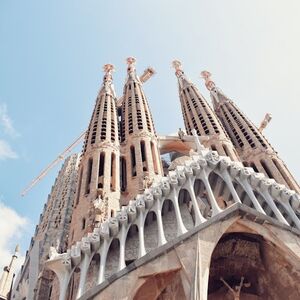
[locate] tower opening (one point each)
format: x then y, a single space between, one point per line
89 176
123 174
143 152
133 161
79 186
155 163
101 170
113 172
266 169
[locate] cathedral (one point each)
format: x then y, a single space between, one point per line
209 213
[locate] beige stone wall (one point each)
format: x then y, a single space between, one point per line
175 270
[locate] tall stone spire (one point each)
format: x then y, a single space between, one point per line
253 148
8 276
198 115
98 190
140 161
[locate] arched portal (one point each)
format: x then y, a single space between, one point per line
246 266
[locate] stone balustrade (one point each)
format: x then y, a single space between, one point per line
192 197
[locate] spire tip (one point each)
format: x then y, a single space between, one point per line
130 60
208 81
108 68
177 64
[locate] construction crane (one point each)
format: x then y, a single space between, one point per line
265 122
52 164
148 73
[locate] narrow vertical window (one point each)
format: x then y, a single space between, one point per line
83 224
213 147
155 162
113 172
143 153
226 150
266 168
101 170
123 174
245 164
79 186
253 166
89 176
133 161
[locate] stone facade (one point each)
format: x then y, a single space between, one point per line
98 190
253 148
198 115
206 226
34 281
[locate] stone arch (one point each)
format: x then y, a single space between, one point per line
93 271
284 213
243 195
112 260
132 244
202 198
186 209
156 285
151 231
73 284
169 220
221 191
263 203
263 269
46 282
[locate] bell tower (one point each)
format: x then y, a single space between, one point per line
198 115
99 178
140 159
253 148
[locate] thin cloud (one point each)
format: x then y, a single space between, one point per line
6 122
6 151
12 228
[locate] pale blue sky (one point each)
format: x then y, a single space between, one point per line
51 58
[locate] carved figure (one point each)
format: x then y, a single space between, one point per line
236 292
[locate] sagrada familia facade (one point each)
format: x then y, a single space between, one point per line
211 213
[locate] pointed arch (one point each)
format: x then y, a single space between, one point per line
186 209
202 199
151 231
132 244
92 273
112 260
169 220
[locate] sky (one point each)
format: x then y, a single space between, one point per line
51 58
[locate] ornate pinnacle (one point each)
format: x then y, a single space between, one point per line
131 67
130 61
208 81
108 68
176 64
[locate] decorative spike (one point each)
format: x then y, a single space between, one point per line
208 81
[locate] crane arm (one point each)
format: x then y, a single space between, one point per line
52 164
